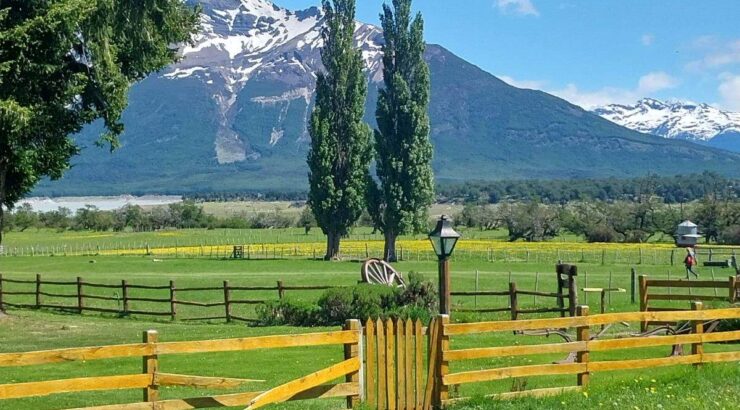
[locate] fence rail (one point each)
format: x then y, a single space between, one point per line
583 365
151 379
61 292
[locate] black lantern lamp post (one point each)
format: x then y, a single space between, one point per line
443 239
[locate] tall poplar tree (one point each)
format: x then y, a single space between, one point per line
340 140
402 146
67 63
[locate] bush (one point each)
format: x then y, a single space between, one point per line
287 312
419 293
730 235
363 301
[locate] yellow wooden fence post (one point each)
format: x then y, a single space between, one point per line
697 327
584 335
443 392
151 366
353 350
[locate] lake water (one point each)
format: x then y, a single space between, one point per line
106 203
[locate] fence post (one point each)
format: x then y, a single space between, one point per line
443 392
2 307
697 327
673 254
38 291
353 350
280 289
173 308
227 301
124 295
80 296
514 304
633 277
643 300
151 366
573 292
732 285
583 335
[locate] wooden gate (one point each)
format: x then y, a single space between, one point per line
394 374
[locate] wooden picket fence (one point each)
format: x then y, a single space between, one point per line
153 300
312 386
394 372
391 364
443 355
730 289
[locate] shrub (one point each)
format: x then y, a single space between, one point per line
287 312
730 235
362 301
419 293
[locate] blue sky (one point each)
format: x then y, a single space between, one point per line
592 52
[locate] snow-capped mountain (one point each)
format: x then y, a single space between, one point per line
683 120
255 41
232 116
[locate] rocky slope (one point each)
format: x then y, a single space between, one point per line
232 117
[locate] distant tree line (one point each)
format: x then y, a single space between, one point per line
640 220
183 215
672 189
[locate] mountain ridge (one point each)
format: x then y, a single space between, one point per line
690 121
231 116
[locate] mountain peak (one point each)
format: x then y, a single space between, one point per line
688 120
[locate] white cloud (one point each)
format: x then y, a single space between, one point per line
647 39
646 85
592 99
655 81
521 7
714 53
530 84
729 90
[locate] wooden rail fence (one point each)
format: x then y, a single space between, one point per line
513 294
647 294
584 365
384 362
56 294
312 386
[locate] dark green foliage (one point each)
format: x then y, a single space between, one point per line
340 140
67 63
730 235
288 312
402 144
363 301
532 222
419 293
672 189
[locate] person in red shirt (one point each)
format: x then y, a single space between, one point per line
690 261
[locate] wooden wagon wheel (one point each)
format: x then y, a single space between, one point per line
380 272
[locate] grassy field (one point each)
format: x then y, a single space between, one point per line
713 387
683 387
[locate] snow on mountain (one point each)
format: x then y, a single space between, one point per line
682 120
256 41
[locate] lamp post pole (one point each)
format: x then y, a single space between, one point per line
444 286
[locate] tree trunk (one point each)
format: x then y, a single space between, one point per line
332 246
3 175
389 251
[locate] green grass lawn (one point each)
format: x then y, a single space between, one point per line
28 330
296 272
